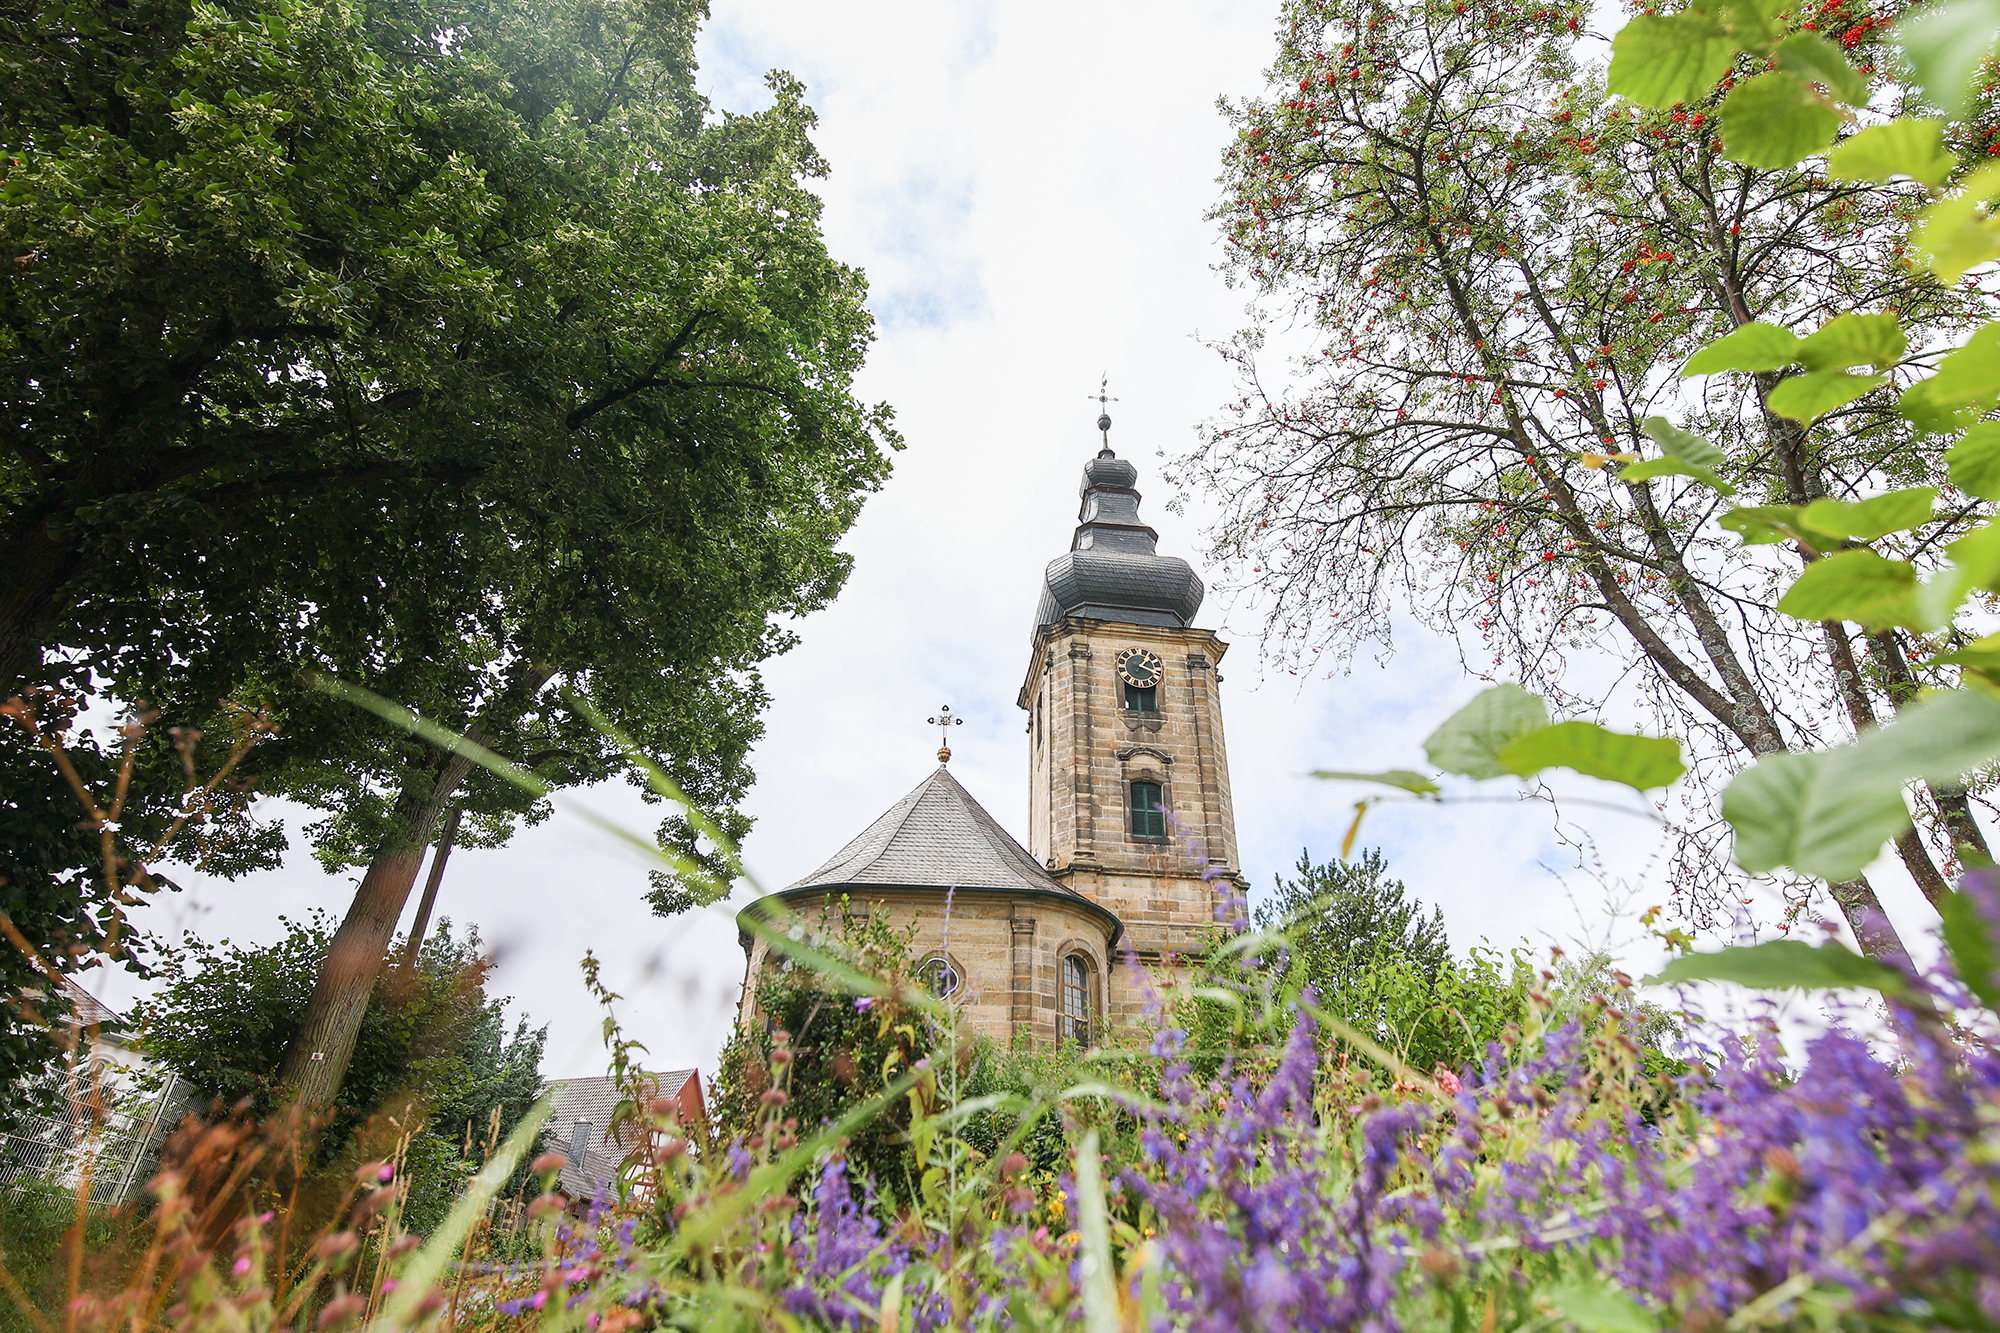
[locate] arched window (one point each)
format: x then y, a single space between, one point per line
1149 815
1074 1024
941 975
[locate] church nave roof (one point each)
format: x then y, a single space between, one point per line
936 837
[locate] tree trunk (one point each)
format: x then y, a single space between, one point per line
1966 839
316 1061
429 900
1865 917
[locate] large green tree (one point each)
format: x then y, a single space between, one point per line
1501 271
1341 919
459 350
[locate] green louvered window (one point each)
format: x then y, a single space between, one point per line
1149 817
1142 698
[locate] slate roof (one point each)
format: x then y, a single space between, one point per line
87 1009
590 1102
1113 570
936 837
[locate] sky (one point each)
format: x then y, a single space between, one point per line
1025 185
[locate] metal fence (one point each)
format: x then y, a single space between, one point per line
118 1144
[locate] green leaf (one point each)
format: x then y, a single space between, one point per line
1471 739
1856 585
1971 374
1753 347
1969 942
1828 812
1660 61
1776 120
1756 25
1099 1271
1945 45
1978 554
1854 340
1597 1307
1785 965
1865 520
1940 738
890 1312
1763 525
1683 445
1401 778
1975 563
1974 462
1640 762
1674 467
1954 234
1813 58
1921 408
1980 655
1905 147
1807 398
1806 811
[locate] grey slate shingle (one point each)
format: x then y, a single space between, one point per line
936 837
592 1100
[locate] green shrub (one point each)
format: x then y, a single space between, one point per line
431 1041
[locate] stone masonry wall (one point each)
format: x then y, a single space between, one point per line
1085 751
1005 948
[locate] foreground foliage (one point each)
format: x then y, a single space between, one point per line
1851 1183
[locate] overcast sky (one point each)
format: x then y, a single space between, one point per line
1024 184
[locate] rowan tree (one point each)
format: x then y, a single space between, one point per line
1500 271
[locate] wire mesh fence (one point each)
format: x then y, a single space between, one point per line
113 1133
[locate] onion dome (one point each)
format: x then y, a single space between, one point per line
1113 571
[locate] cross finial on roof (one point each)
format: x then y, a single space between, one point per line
1104 399
944 722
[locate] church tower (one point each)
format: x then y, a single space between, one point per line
1128 798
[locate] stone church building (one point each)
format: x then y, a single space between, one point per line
1130 831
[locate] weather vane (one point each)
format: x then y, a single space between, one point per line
1104 400
944 722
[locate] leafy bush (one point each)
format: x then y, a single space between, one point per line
818 1049
1371 957
35 1222
431 1040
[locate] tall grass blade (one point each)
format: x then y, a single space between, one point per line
428 1263
1100 1278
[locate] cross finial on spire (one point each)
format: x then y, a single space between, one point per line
1103 412
944 722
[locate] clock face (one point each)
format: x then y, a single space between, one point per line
1140 667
